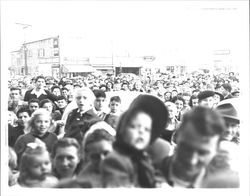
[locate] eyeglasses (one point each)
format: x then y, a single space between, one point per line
98 156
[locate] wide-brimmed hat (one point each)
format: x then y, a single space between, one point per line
150 105
228 110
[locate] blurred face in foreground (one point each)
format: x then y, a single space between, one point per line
207 102
138 131
194 152
97 151
40 166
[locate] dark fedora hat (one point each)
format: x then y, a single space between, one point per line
227 110
151 105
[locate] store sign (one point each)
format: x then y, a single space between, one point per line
149 58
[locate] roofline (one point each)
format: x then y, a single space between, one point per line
42 40
15 51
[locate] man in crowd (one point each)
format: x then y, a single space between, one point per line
226 91
39 91
33 105
206 98
197 141
15 102
229 112
99 103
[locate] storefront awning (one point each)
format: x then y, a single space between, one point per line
78 68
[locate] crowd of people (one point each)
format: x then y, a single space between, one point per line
85 132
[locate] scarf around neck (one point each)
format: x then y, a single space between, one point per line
146 177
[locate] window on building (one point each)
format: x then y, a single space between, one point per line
56 52
55 43
41 52
30 53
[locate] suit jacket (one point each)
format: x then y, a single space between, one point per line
28 96
77 124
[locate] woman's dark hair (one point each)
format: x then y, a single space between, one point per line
96 136
65 142
54 87
33 101
40 77
191 100
22 110
178 97
42 102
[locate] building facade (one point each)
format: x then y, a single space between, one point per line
41 57
62 56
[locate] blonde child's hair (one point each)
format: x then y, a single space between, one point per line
89 93
35 114
32 149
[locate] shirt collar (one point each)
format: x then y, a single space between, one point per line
84 111
42 91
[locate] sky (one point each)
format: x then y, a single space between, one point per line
181 32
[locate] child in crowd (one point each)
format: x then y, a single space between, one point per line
23 115
129 165
35 167
61 103
80 119
50 107
55 115
173 123
115 111
33 105
65 93
37 129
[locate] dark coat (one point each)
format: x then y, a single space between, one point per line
118 170
90 174
77 124
13 134
49 139
28 96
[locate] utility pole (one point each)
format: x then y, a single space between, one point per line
25 26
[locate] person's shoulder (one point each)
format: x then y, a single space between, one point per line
165 164
72 112
116 157
29 90
52 135
25 136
